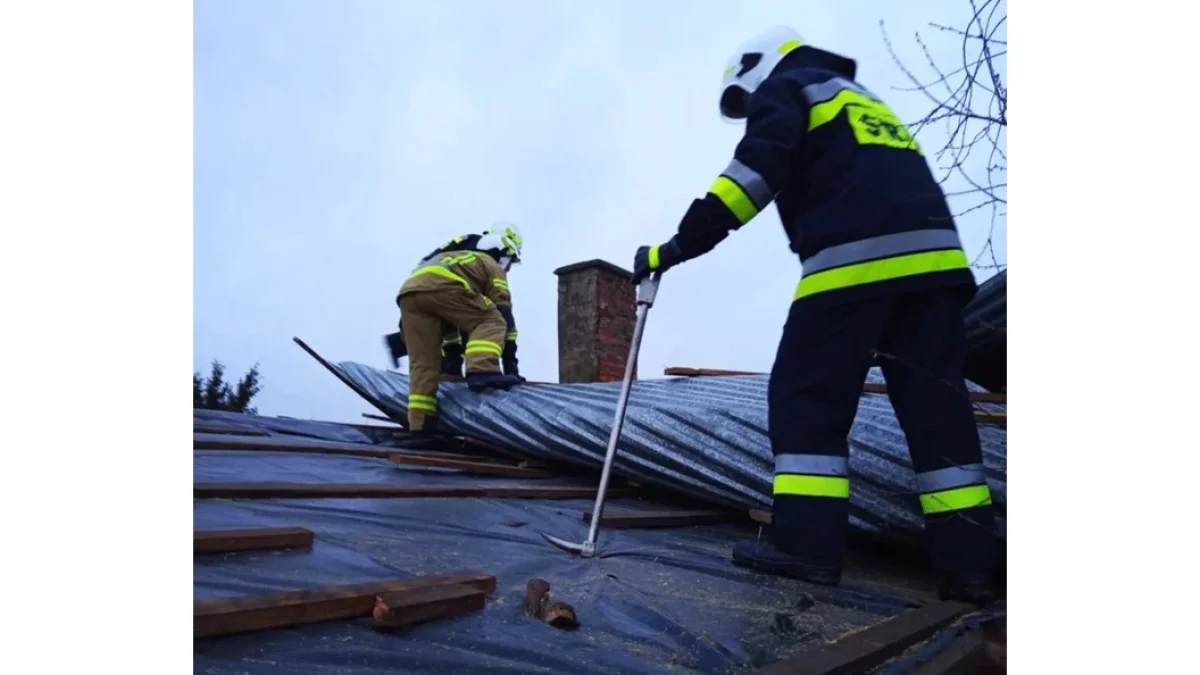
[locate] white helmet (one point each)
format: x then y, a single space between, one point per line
750 65
505 238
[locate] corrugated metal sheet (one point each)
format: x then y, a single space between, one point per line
986 321
706 437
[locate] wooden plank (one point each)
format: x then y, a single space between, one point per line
705 372
227 616
861 651
274 445
977 396
666 518
966 655
761 516
366 395
376 491
407 608
206 429
993 418
484 468
226 541
381 418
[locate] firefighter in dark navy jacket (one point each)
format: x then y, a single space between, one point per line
884 278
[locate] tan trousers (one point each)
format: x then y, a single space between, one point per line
430 314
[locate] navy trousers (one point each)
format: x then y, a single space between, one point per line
919 341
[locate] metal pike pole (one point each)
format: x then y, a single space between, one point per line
645 300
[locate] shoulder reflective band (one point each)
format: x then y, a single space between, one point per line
500 283
881 258
830 97
953 489
442 267
742 190
812 476
484 347
422 402
511 336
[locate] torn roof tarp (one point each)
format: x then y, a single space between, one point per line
704 437
654 601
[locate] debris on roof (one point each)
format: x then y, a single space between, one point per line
704 437
369 584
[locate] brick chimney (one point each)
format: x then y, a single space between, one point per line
596 314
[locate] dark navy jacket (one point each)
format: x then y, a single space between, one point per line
856 196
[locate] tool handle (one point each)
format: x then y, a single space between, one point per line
648 289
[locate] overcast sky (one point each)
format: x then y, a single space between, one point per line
338 141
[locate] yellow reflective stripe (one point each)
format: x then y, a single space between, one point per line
788 46
881 270
511 336
652 258
440 271
484 346
956 499
734 198
487 302
454 340
500 283
825 112
812 486
422 402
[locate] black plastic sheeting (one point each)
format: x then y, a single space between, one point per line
327 431
986 320
704 437
655 601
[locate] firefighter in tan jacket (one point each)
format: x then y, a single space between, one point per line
464 291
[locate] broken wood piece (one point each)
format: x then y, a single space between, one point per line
535 592
484 468
666 518
539 605
227 616
258 539
705 372
406 608
559 614
862 651
377 491
994 418
760 516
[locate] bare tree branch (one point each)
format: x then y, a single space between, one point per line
970 103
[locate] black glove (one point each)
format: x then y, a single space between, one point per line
650 259
508 361
396 347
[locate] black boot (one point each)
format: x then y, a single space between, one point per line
973 588
483 381
762 556
430 427
396 347
452 365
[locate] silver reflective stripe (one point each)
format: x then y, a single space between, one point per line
820 465
749 180
880 247
826 91
950 478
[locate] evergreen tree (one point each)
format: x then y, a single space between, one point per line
215 393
